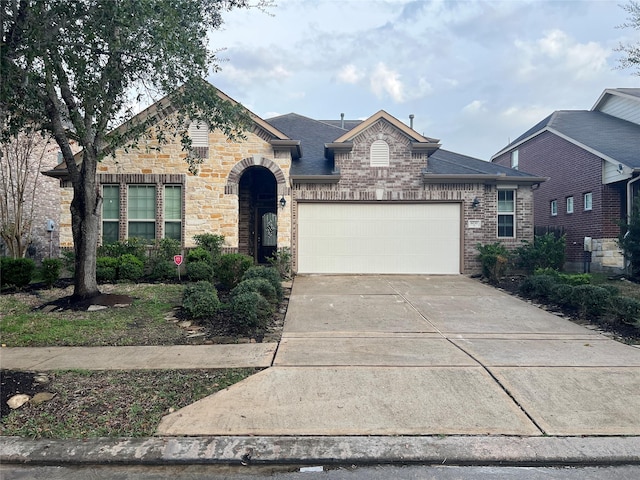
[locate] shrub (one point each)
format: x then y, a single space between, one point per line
17 271
546 251
199 254
200 270
130 267
561 295
589 300
69 261
625 310
50 270
281 261
268 273
231 268
167 248
566 278
250 312
162 270
494 258
538 287
200 300
259 285
211 243
106 269
131 246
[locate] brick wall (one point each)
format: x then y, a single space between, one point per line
572 171
402 181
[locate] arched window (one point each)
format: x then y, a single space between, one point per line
379 155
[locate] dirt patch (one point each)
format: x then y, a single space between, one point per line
103 300
13 383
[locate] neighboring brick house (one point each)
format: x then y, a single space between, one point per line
592 160
369 196
42 211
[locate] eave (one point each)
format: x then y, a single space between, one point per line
297 179
431 178
293 146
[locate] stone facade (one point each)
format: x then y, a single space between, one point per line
210 198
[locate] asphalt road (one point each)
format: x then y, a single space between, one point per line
414 472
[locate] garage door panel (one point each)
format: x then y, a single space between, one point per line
378 238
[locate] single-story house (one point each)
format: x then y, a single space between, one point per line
592 160
345 196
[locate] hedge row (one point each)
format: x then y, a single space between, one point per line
569 292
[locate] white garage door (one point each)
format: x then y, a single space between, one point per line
379 238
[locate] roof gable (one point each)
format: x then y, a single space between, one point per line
408 131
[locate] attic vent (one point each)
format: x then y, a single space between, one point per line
199 134
379 154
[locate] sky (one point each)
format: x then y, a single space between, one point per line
476 74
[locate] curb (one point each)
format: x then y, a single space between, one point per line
316 450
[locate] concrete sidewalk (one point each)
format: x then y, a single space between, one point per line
138 358
425 355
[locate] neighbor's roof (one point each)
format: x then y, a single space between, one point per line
608 137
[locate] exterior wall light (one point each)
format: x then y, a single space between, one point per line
476 203
283 202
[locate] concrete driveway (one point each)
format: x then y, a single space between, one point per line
425 355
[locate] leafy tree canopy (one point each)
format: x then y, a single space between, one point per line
631 51
71 66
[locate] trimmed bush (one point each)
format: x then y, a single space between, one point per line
494 258
200 300
231 267
250 312
131 246
199 254
200 270
260 285
163 270
561 295
16 271
590 300
268 273
130 267
211 243
106 269
50 270
546 251
538 287
625 310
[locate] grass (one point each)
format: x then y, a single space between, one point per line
114 403
143 323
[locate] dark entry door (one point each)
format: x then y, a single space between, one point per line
267 233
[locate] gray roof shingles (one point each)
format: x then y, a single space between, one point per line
607 135
314 134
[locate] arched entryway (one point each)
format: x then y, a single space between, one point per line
257 226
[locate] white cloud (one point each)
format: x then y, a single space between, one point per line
386 81
477 106
557 52
350 74
248 76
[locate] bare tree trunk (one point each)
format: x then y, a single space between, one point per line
85 227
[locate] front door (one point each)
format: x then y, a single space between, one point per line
257 227
267 240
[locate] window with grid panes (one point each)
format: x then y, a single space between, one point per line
141 211
110 213
506 213
173 212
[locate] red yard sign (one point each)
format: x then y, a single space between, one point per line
177 259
